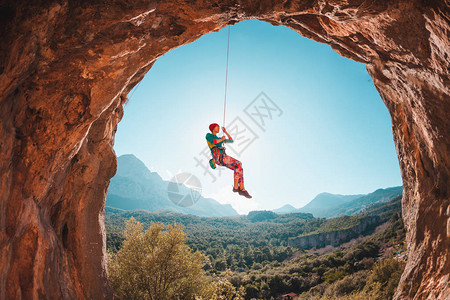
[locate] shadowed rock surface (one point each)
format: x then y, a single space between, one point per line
67 66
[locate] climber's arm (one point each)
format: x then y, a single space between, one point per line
215 141
230 139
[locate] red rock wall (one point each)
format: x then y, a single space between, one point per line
65 64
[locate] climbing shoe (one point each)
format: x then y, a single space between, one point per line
245 194
235 190
212 163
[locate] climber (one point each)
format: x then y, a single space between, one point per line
222 159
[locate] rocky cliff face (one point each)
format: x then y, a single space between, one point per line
67 66
334 238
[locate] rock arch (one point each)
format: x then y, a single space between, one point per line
67 66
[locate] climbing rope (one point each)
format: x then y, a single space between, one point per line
135 88
226 78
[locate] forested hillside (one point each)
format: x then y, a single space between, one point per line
255 247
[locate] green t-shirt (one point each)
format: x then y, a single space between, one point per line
210 140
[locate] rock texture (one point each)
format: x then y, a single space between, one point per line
67 66
335 238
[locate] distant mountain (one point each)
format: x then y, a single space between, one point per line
360 204
316 205
285 209
326 205
135 187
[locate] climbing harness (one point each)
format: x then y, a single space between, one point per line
221 150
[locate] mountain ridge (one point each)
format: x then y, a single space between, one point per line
135 187
330 205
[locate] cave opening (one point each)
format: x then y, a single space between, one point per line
181 94
340 129
66 69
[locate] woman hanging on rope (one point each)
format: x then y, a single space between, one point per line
222 159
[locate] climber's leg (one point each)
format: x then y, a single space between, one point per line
235 165
236 183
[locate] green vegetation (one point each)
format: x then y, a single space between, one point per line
336 224
385 210
156 264
342 272
260 216
249 254
378 283
236 243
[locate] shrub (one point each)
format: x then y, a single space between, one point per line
251 291
385 273
333 275
156 264
347 285
222 289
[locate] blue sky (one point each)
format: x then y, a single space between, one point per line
332 132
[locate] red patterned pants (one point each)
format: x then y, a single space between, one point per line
230 163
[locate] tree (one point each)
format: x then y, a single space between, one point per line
251 291
156 264
385 276
223 289
220 265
